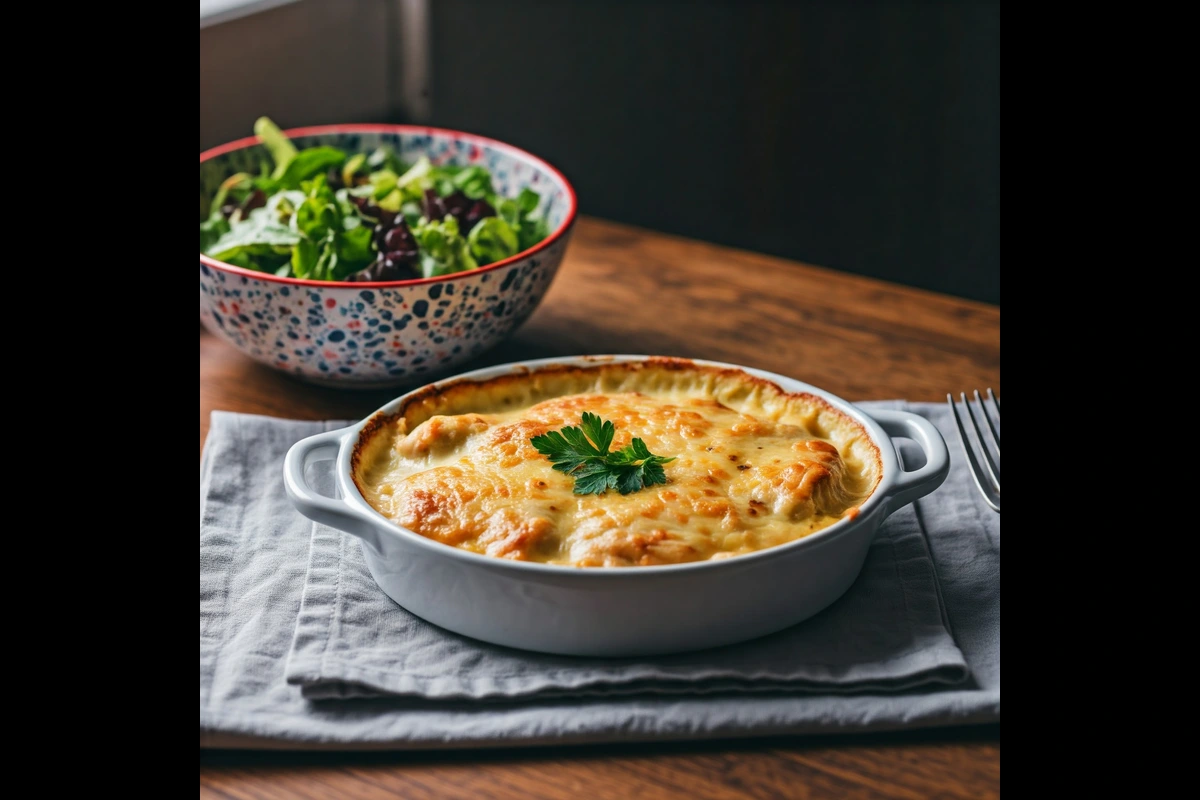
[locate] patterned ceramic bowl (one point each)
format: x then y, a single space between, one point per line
371 335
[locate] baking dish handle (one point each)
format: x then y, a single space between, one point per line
317 507
914 484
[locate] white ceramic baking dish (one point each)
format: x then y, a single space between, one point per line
617 611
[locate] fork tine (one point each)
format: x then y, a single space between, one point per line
992 470
976 470
987 415
995 399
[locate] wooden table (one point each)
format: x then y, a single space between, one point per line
626 290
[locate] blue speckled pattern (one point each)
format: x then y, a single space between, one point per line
383 336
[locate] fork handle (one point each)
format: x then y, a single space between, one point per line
913 484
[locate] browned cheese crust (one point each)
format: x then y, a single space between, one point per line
755 466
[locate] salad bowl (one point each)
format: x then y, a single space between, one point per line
371 334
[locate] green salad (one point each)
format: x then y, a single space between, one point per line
324 214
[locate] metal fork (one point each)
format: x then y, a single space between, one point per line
987 476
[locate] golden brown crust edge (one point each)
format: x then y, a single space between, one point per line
458 390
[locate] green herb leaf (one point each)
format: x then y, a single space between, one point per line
308 164
528 199
630 480
351 168
530 227
304 258
384 158
532 231
291 165
599 431
475 182
443 248
315 216
492 239
279 146
261 228
239 181
392 201
354 251
652 471
384 181
416 173
596 479
211 231
412 212
583 454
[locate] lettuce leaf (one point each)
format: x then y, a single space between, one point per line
493 239
308 164
474 182
279 146
307 230
443 248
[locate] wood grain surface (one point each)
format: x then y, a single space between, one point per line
626 290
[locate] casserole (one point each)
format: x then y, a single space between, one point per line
614 611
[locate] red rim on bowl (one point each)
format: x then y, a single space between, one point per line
420 130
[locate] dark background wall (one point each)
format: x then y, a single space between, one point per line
862 136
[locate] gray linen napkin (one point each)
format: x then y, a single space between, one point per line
842 670
887 632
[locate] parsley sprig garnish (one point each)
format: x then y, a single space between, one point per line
594 469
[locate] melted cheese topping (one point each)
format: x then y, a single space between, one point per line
755 467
